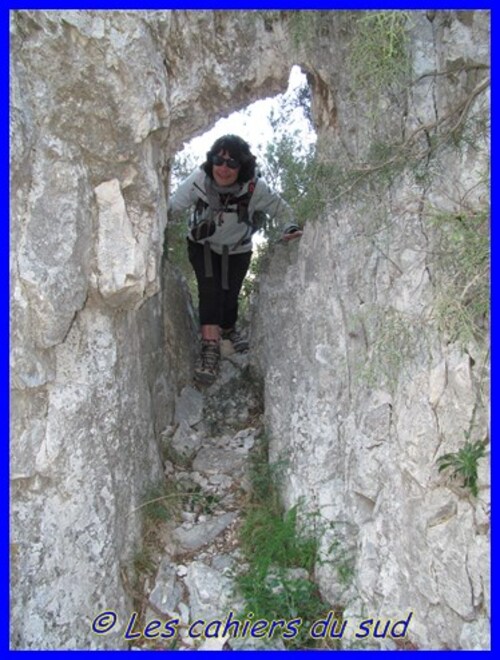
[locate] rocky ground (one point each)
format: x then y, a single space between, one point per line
207 482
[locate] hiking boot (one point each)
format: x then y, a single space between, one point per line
208 366
240 344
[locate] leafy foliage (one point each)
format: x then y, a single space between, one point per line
306 26
395 342
378 51
290 165
161 503
463 265
463 464
174 245
295 172
272 542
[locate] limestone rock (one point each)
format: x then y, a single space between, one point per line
166 593
120 262
362 392
184 444
211 460
189 406
210 592
202 533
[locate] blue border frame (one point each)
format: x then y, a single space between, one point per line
495 26
243 4
220 4
4 369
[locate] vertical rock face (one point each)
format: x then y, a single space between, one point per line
100 101
363 392
102 338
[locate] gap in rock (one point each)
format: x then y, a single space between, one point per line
257 125
192 527
264 124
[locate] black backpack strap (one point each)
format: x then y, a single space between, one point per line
199 208
244 202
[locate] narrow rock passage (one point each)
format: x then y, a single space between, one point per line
207 464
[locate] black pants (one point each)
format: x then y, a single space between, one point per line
216 305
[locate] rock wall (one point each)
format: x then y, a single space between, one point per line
363 392
100 102
102 340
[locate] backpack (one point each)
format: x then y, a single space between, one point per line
204 228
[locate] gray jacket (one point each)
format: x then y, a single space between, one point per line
229 230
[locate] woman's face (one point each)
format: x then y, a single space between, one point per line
222 173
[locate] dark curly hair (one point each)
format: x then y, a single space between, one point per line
238 149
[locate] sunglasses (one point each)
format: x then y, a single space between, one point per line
230 162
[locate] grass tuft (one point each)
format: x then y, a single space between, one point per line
280 554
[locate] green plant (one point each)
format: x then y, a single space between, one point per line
273 538
200 502
345 572
144 562
306 26
155 506
273 542
378 51
174 240
292 168
462 266
394 342
161 503
250 282
463 463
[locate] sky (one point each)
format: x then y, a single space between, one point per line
253 125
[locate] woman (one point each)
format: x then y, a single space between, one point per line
224 194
